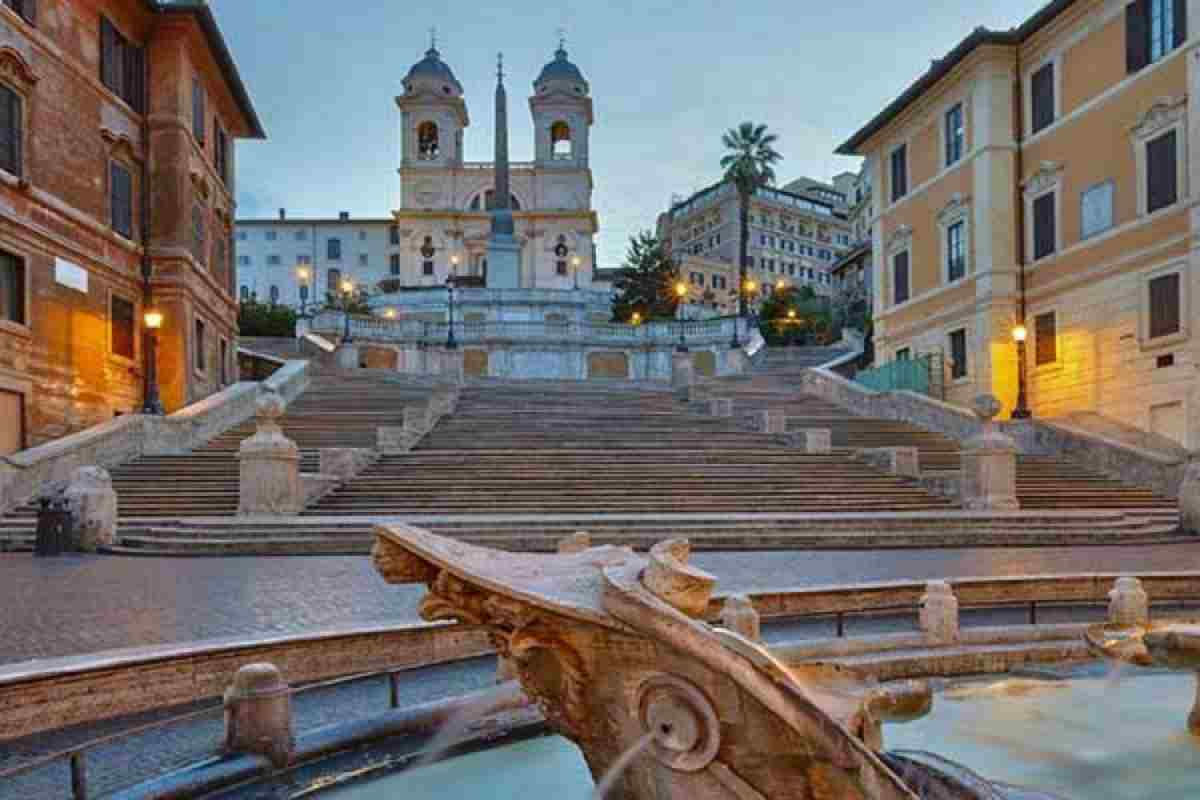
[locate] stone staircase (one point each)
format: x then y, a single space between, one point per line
797 359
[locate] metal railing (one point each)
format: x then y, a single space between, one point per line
922 374
77 757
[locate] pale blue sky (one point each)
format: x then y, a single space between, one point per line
667 78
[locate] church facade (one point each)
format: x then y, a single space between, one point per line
444 221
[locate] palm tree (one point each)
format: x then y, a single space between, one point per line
748 165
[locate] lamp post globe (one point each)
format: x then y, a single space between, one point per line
152 320
347 287
1021 410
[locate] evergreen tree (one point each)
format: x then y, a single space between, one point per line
647 280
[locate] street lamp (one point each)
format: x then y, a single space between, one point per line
575 262
636 319
681 291
1021 411
152 319
780 285
451 344
303 274
347 287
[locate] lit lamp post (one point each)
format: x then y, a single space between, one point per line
791 318
153 320
451 344
347 288
303 274
636 319
1021 411
681 291
575 262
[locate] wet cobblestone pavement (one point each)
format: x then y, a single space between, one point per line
85 604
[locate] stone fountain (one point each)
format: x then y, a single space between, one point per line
615 649
1131 637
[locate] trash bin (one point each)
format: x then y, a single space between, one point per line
54 524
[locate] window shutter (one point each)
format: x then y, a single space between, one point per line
1161 176
135 83
1043 226
1045 332
1179 10
1043 97
1137 35
198 116
8 129
108 43
901 268
1164 305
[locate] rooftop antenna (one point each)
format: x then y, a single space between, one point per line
500 67
433 38
562 38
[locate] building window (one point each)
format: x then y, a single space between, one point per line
427 267
224 364
245 293
271 236
899 164
427 141
200 344
303 258
242 236
122 66
1162 176
121 327
560 267
363 259
1044 228
1045 339
903 354
120 194
1096 209
394 263
243 261
274 294
26 8
955 134
560 141
956 251
900 277
1153 28
221 154
273 260
958 354
12 288
199 232
304 292
394 234
1041 89
333 280
1164 305
300 235
333 249
198 114
12 125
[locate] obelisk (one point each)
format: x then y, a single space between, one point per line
504 252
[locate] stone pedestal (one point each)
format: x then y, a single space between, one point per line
815 441
989 464
682 375
347 356
772 420
738 615
1128 604
903 462
1189 497
451 370
269 465
721 406
258 714
93 505
503 262
939 613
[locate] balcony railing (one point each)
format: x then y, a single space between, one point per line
380 329
921 374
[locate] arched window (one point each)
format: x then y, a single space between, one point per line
427 141
488 201
560 140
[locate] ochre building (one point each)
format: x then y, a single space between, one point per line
117 123
1044 176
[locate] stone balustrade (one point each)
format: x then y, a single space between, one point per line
903 462
49 467
772 420
814 441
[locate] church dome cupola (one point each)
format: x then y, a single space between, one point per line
432 74
560 74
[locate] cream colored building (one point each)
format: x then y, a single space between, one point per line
795 238
1044 173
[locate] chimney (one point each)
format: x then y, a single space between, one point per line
343 215
283 213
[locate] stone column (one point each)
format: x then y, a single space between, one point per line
269 465
1128 604
682 375
939 613
989 464
93 505
721 406
738 615
258 714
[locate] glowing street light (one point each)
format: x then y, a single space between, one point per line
152 319
347 287
681 291
451 343
1021 411
304 275
636 319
